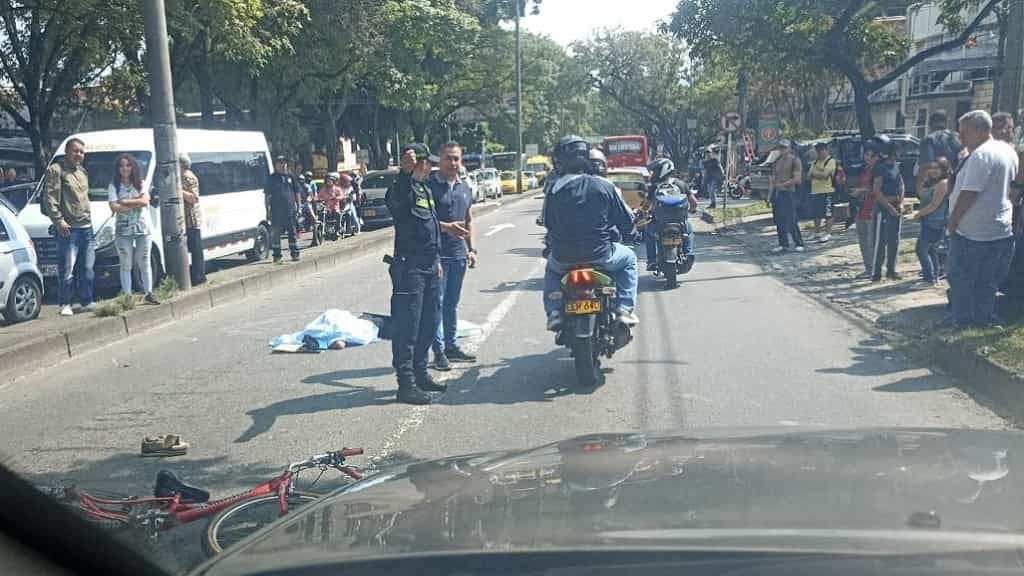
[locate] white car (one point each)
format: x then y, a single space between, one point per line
490 183
21 283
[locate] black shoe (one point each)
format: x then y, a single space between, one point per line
411 394
278 259
876 278
893 276
295 257
652 266
456 354
441 363
426 383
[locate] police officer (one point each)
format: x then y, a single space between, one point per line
283 198
415 276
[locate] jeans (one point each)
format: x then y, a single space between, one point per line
866 239
975 271
621 263
195 248
928 251
1014 284
714 187
276 229
415 290
448 304
652 236
887 241
354 215
79 247
133 251
786 223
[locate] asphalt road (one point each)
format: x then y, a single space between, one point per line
732 346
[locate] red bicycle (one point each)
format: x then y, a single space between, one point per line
174 503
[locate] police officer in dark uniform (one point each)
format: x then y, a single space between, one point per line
283 198
415 276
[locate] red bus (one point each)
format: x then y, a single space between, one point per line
626 151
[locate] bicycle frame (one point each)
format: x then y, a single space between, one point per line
166 512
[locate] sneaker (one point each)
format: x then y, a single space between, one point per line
411 394
799 248
151 299
456 354
779 249
876 278
825 238
278 260
554 322
295 257
441 363
628 318
426 383
66 310
165 445
90 307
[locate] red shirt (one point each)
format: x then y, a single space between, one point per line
330 195
865 182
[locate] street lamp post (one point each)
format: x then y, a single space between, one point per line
519 107
165 179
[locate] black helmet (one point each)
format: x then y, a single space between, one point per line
882 144
661 169
572 155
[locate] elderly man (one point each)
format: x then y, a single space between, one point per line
980 223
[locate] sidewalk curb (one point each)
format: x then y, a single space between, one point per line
992 385
19 361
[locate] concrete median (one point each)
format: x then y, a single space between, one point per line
29 355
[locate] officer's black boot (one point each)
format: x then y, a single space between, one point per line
409 393
427 383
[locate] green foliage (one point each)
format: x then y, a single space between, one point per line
167 289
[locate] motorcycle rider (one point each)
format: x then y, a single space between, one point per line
306 195
584 215
598 163
348 201
663 183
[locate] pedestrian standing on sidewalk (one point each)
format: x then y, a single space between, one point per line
193 219
66 203
888 190
935 199
415 276
980 223
822 174
714 175
866 213
132 225
454 200
1003 129
941 142
282 197
787 175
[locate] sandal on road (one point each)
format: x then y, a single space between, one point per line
165 445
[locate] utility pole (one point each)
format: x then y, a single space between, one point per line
1010 76
165 137
519 107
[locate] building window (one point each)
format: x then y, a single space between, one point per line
921 124
962 107
901 120
979 74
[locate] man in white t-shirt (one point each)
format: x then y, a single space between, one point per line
980 223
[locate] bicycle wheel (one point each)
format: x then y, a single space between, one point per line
233 524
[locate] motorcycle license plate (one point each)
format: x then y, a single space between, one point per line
671 241
583 307
369 213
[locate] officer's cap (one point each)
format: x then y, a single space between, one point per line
421 151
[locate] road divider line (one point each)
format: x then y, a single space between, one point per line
498 228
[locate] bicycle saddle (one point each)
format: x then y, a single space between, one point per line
167 485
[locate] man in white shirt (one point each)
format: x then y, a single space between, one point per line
980 223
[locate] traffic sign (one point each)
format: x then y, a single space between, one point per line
731 122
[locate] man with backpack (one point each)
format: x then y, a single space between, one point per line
66 203
940 142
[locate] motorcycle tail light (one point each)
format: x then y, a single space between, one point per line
581 278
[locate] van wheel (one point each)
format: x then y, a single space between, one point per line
262 248
25 300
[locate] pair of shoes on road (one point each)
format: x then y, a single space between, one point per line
164 445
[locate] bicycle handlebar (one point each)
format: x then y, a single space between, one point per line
329 459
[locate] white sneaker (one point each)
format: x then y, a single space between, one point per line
813 238
628 318
90 307
554 322
799 248
778 250
825 238
66 310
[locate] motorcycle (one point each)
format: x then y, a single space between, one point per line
739 188
307 220
672 236
591 328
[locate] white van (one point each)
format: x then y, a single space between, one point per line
232 168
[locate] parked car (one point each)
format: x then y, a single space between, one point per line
21 282
19 194
490 182
508 182
529 180
374 211
232 167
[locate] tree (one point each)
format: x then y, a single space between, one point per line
838 36
50 51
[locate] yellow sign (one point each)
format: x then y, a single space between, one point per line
583 307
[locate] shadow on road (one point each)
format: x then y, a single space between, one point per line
338 378
533 378
532 252
263 419
871 358
528 285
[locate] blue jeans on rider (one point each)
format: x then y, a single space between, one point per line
654 230
448 306
621 263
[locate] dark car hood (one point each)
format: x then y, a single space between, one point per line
637 490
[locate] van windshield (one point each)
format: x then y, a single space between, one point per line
100 167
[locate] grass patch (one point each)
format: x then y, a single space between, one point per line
733 213
1004 346
167 289
116 306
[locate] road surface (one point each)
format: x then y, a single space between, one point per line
732 346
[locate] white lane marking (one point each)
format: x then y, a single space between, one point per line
498 228
414 418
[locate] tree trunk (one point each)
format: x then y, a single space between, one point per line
328 118
862 106
201 71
